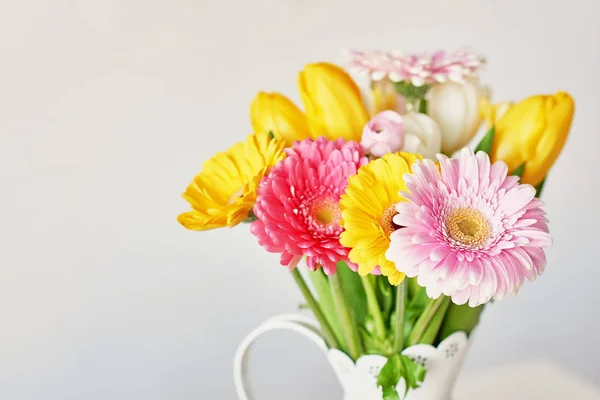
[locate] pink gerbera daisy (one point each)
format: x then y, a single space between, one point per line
377 64
417 68
470 232
298 203
438 67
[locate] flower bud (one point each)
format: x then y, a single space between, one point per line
383 134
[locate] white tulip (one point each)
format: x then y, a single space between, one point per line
421 135
455 107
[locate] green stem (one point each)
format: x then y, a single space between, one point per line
432 330
400 311
423 106
314 306
424 320
373 305
322 292
346 317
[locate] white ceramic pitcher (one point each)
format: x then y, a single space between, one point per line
358 379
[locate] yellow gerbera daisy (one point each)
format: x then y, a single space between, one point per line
368 206
224 192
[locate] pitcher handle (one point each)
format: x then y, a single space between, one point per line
292 322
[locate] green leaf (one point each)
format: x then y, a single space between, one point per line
397 367
519 171
390 373
390 393
485 144
325 299
539 188
460 318
413 373
354 292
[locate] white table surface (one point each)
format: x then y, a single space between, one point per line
532 380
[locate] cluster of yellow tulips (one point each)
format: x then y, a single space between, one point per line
530 133
332 101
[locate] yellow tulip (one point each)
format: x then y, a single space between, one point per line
492 112
533 133
332 101
384 97
273 112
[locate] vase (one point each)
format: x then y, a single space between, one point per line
358 379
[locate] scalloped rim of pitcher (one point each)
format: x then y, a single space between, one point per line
460 336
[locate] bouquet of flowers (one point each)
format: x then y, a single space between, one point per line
405 233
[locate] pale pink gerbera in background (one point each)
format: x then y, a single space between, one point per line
439 67
471 232
419 69
375 63
298 203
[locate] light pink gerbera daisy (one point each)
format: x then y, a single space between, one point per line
377 64
419 69
298 203
471 232
439 67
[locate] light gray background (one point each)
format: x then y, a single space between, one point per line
108 109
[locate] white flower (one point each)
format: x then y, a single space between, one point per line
421 135
456 109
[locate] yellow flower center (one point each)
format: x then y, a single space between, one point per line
325 216
326 213
321 212
387 220
468 227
